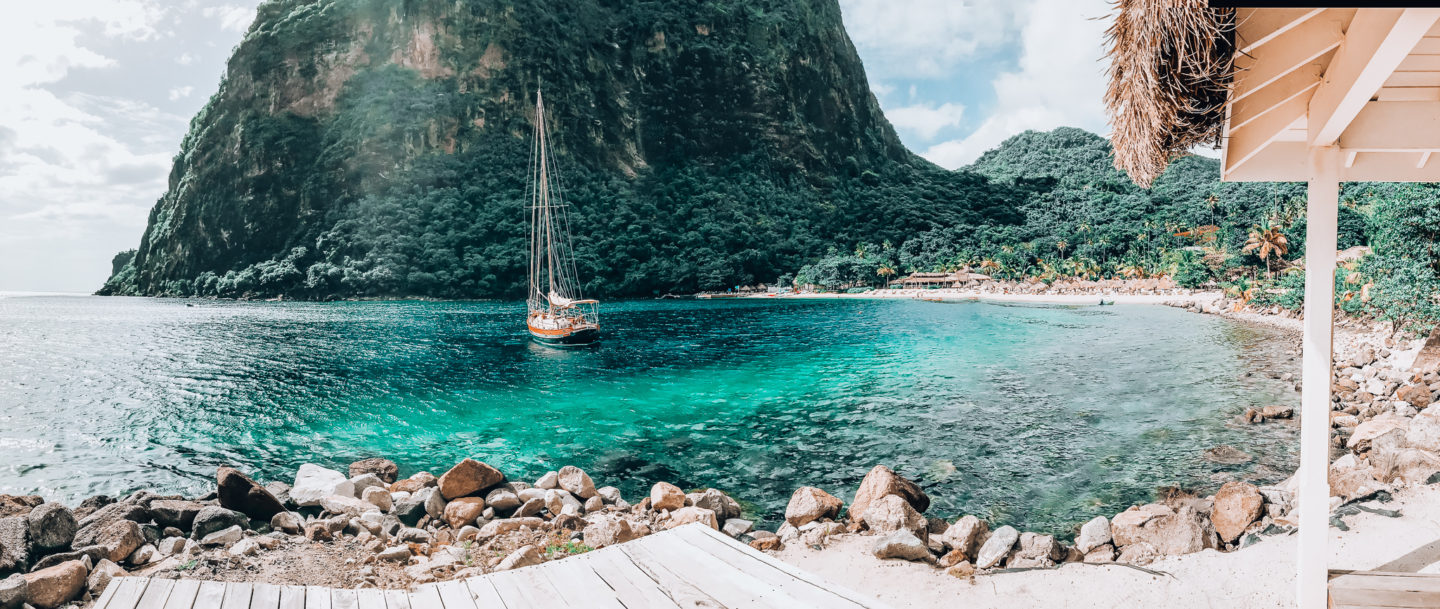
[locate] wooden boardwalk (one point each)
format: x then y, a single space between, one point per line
691 566
1367 589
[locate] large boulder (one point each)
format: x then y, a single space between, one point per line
881 481
1035 550
687 515
666 496
120 539
893 513
716 501
215 518
463 511
52 527
347 506
14 544
900 544
177 513
18 505
1417 395
101 575
1093 534
414 483
55 586
314 483
1349 480
384 468
577 482
1408 465
503 499
238 492
559 501
508 525
997 547
12 592
603 532
365 482
964 536
94 553
1375 428
468 477
523 557
90 526
1237 504
1170 532
809 504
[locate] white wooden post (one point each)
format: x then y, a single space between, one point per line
1320 237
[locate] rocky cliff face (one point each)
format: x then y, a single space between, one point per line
379 147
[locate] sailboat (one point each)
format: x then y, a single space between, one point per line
557 314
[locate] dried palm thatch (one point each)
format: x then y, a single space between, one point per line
1171 63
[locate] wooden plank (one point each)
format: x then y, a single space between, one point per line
182 596
1384 598
156 593
794 571
343 599
455 595
710 548
636 589
317 597
521 589
726 584
369 598
1413 79
210 596
1301 45
1245 143
397 599
1429 45
265 596
1292 85
1255 27
292 597
426 597
1375 45
128 594
237 596
578 584
1376 581
483 593
1408 94
1396 126
109 593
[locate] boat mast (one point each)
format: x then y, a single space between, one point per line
545 200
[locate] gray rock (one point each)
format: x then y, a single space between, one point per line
414 535
900 544
142 556
531 507
287 522
385 469
576 482
364 481
92 525
348 506
175 513
171 546
120 539
223 537
379 498
997 547
526 494
394 554
603 532
1093 534
214 518
52 527
713 500
313 483
92 553
434 502
736 527
551 480
14 544
281 491
411 509
503 500
609 494
524 557
559 500
12 592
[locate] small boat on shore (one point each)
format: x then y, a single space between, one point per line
556 313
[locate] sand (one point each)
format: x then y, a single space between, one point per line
950 295
1261 575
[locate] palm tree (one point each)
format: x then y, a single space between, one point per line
1266 241
886 272
1061 245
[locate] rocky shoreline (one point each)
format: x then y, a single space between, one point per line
369 528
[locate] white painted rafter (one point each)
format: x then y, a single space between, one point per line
1375 44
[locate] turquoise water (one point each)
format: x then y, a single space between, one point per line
1038 416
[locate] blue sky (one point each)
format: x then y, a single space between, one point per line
95 96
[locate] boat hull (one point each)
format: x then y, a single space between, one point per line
565 338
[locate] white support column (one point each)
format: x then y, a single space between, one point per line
1320 238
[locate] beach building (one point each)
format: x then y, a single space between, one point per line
958 279
1317 94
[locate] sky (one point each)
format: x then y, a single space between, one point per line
95 96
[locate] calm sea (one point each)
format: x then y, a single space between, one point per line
1036 416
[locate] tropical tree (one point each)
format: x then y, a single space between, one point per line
1267 240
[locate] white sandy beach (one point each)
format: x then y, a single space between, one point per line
953 295
1259 576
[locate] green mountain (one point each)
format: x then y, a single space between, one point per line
380 148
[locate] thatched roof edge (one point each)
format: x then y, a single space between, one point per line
1171 64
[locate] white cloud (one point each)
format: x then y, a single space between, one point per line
927 38
232 17
881 89
181 92
185 59
926 120
1060 80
